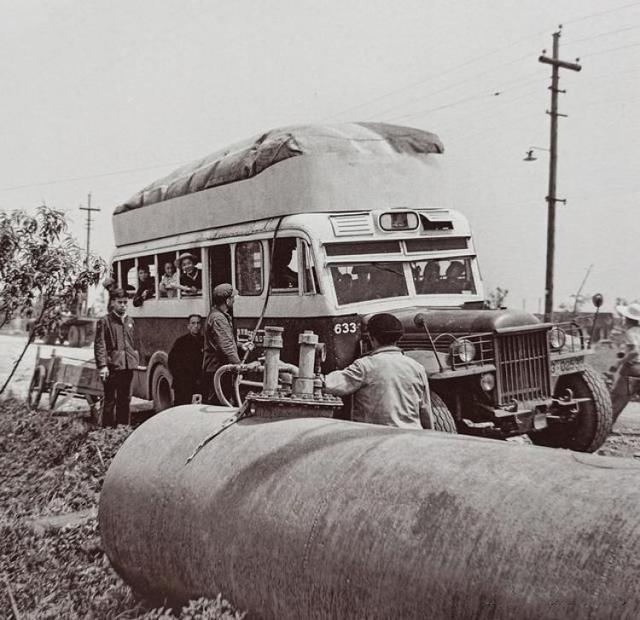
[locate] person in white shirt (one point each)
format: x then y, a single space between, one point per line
170 281
388 387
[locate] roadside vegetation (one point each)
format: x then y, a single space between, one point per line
54 465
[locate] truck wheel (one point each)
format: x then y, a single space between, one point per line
36 387
161 392
591 426
442 419
75 336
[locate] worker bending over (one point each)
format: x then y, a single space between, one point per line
388 387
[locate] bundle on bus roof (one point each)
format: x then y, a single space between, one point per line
305 168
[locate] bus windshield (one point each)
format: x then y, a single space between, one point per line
365 281
356 282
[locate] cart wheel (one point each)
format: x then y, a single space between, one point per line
53 396
95 409
36 387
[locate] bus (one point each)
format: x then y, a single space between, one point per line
320 227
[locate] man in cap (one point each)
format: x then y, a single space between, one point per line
627 379
116 359
190 276
185 362
388 387
219 341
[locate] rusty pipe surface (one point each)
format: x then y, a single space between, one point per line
323 518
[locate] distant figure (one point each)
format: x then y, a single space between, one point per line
282 275
219 340
185 362
190 276
116 359
169 283
146 287
388 387
109 285
627 376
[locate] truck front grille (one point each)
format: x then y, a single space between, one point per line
523 367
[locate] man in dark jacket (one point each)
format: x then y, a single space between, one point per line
185 362
116 359
219 341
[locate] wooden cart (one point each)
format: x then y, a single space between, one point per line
65 376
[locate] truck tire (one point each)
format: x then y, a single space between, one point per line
161 392
442 419
75 336
591 426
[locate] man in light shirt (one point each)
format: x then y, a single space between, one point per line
388 387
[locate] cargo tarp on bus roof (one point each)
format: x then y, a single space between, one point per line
251 157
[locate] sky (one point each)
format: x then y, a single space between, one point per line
107 96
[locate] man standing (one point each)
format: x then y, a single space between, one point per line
388 387
185 362
116 359
627 377
219 342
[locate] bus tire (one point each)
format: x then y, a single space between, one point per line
442 419
161 392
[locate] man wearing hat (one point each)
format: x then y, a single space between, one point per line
388 387
629 368
190 276
219 341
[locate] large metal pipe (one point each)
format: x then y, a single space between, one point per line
322 518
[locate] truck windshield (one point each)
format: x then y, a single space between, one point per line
443 276
364 281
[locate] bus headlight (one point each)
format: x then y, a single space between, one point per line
487 381
465 350
557 338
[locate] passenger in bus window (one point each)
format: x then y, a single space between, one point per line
282 275
190 276
146 287
169 283
430 278
454 277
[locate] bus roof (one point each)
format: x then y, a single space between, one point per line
251 157
353 167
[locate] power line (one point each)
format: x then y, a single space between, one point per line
90 176
602 34
611 49
605 12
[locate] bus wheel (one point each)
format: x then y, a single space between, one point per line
161 392
442 419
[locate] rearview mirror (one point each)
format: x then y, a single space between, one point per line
597 300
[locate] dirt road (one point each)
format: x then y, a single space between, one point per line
624 441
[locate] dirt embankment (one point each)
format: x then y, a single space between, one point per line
53 566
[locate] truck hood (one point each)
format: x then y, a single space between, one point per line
457 321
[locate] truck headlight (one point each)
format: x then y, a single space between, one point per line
557 338
487 381
465 350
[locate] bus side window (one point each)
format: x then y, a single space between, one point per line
169 278
220 265
190 273
310 278
128 276
249 268
284 268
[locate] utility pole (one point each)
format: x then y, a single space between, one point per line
556 65
89 209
